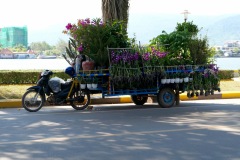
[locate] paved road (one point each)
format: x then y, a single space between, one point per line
196 130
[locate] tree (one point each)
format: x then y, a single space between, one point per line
40 46
19 48
61 46
115 10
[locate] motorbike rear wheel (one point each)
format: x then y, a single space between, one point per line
80 99
32 101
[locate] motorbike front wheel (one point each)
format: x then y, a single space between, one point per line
32 101
80 99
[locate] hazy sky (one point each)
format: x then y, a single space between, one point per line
40 14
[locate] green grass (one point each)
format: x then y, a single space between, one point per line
13 91
16 91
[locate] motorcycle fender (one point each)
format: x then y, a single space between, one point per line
38 89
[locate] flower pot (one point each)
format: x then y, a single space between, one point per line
89 86
177 80
163 81
180 80
186 79
168 81
83 86
172 80
94 85
87 65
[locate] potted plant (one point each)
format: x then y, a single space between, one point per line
172 77
89 82
177 79
82 83
95 82
164 77
92 37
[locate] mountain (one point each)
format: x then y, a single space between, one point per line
225 29
50 34
218 29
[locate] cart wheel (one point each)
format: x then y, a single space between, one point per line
139 99
166 98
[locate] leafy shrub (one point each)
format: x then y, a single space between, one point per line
225 74
31 77
25 77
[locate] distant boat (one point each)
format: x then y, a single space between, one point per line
24 56
46 57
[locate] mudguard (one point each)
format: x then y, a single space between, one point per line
39 89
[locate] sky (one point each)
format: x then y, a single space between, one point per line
40 15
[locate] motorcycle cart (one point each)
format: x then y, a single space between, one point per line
140 80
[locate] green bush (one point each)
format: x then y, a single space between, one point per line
225 74
31 77
25 77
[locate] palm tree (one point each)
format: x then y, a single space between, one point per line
115 10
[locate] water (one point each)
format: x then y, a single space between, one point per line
228 63
33 64
61 64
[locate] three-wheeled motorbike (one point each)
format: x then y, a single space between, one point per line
56 91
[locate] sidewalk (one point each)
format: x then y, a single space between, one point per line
16 103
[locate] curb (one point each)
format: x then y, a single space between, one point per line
127 99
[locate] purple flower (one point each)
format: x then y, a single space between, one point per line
146 56
116 58
212 66
136 56
87 20
206 75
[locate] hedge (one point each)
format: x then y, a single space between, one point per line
25 77
226 74
31 77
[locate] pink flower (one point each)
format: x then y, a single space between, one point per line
69 26
80 48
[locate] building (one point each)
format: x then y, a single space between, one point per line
6 54
230 48
12 36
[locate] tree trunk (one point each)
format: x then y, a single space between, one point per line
115 10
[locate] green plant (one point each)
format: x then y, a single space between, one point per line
183 45
226 74
82 80
95 80
88 80
71 51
